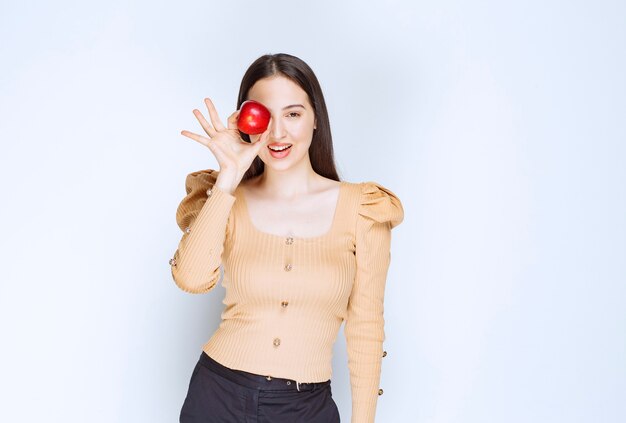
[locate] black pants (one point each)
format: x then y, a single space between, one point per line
218 394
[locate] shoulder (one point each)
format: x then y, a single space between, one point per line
377 202
200 180
196 186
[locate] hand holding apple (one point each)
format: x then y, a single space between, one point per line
233 154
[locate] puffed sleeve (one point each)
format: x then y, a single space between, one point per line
203 216
379 211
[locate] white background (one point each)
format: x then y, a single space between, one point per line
500 125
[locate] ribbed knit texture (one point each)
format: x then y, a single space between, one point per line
286 297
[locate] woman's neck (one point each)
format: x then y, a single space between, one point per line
288 184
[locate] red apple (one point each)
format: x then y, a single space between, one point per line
253 118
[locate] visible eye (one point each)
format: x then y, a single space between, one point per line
293 114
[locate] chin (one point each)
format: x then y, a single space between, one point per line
281 165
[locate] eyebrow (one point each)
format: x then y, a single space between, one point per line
293 105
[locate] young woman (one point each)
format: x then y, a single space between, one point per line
301 252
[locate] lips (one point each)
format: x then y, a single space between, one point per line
279 151
279 147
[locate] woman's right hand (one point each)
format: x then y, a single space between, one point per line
233 154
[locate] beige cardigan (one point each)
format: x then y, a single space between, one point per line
286 297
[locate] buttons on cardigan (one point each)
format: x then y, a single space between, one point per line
209 192
384 353
187 230
380 392
285 303
268 377
172 262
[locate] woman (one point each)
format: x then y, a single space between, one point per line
301 252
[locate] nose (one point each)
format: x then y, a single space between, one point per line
277 129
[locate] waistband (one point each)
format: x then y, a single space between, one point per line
254 381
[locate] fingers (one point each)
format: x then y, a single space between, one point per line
214 147
263 136
215 118
232 120
263 140
203 122
199 138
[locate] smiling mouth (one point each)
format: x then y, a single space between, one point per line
280 148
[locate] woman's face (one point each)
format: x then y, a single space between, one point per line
293 121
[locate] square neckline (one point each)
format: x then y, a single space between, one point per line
246 215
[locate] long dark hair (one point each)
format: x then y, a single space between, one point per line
321 149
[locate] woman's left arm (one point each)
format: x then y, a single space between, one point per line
380 210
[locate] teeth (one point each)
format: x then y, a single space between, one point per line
281 148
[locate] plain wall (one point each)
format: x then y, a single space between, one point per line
500 125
